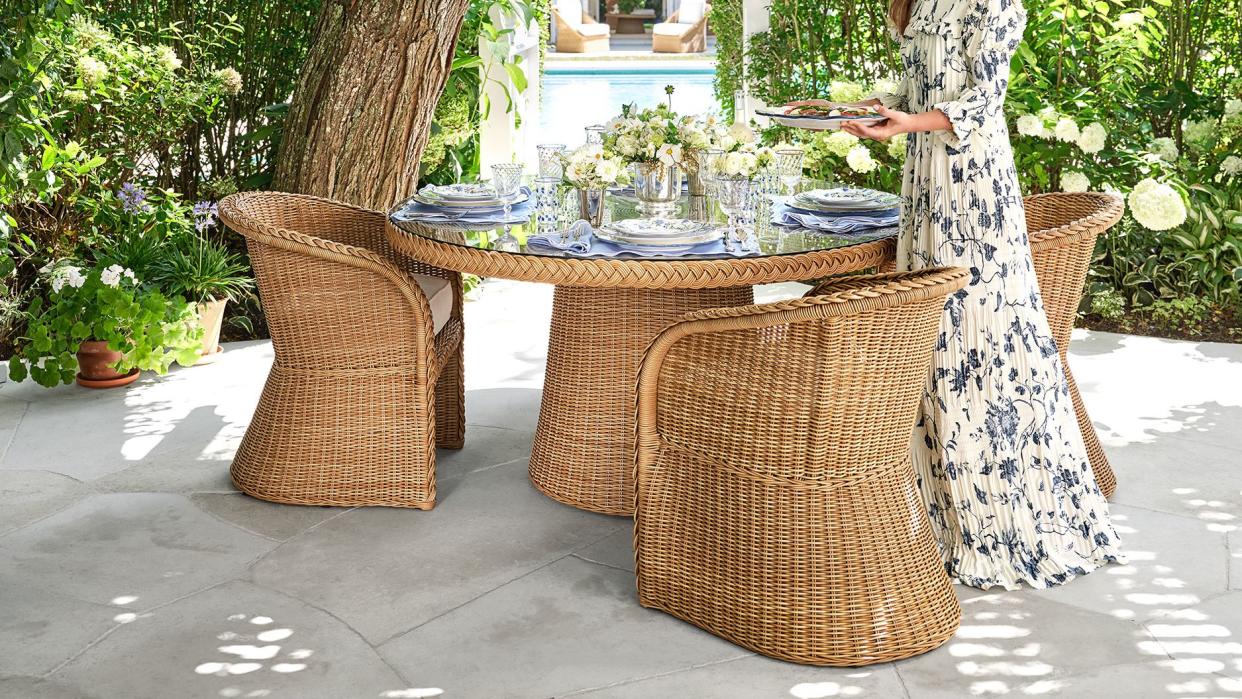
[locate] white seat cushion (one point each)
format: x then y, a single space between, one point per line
670 29
690 11
593 29
570 11
439 294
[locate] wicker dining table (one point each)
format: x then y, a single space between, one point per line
605 312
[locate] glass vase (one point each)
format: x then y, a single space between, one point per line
657 187
591 206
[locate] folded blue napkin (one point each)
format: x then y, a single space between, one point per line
845 222
518 213
580 240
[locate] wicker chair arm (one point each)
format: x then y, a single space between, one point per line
1052 216
234 214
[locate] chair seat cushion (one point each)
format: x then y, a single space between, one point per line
691 11
671 29
570 11
593 30
439 294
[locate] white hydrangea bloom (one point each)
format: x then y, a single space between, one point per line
1231 165
91 70
1156 205
840 143
1130 20
1066 130
845 91
230 79
859 159
1165 148
897 146
1030 125
168 57
884 86
1233 108
1199 135
1093 138
1074 181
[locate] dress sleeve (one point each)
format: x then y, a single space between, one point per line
989 45
899 98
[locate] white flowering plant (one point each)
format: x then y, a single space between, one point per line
652 136
745 161
106 303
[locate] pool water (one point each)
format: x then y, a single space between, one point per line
574 98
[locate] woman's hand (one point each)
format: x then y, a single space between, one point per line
896 122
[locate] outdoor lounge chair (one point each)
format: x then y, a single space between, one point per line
576 31
776 501
1063 228
685 31
367 379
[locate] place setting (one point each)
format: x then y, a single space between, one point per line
503 201
840 210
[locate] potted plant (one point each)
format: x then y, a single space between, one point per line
206 273
102 327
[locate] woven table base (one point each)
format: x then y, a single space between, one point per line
583 453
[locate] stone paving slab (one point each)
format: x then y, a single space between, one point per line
125 550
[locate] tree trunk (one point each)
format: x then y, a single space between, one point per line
364 101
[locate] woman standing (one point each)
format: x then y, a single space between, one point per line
997 449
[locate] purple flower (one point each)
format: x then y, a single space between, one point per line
133 198
204 215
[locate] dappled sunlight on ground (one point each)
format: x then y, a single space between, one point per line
1176 392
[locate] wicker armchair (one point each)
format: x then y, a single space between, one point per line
578 32
776 502
675 36
1063 228
367 379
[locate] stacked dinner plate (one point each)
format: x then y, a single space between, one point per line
467 196
844 200
663 233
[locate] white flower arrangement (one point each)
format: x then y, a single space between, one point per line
1156 205
651 136
591 167
746 162
1074 181
1231 166
1092 138
859 159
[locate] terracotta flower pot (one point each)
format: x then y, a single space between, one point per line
95 366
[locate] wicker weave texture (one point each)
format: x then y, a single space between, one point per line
1063 228
776 502
636 274
348 415
583 453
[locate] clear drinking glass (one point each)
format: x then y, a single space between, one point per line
506 178
550 155
734 194
789 168
707 169
595 135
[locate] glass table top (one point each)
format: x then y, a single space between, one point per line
772 239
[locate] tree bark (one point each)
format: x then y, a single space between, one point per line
364 102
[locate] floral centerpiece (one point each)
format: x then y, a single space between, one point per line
592 169
102 326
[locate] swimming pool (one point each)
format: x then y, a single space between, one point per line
574 97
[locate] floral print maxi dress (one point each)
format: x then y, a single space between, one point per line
997 449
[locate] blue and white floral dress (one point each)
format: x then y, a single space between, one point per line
997 449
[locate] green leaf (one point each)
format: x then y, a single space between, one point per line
18 373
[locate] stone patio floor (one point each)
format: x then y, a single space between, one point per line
131 568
